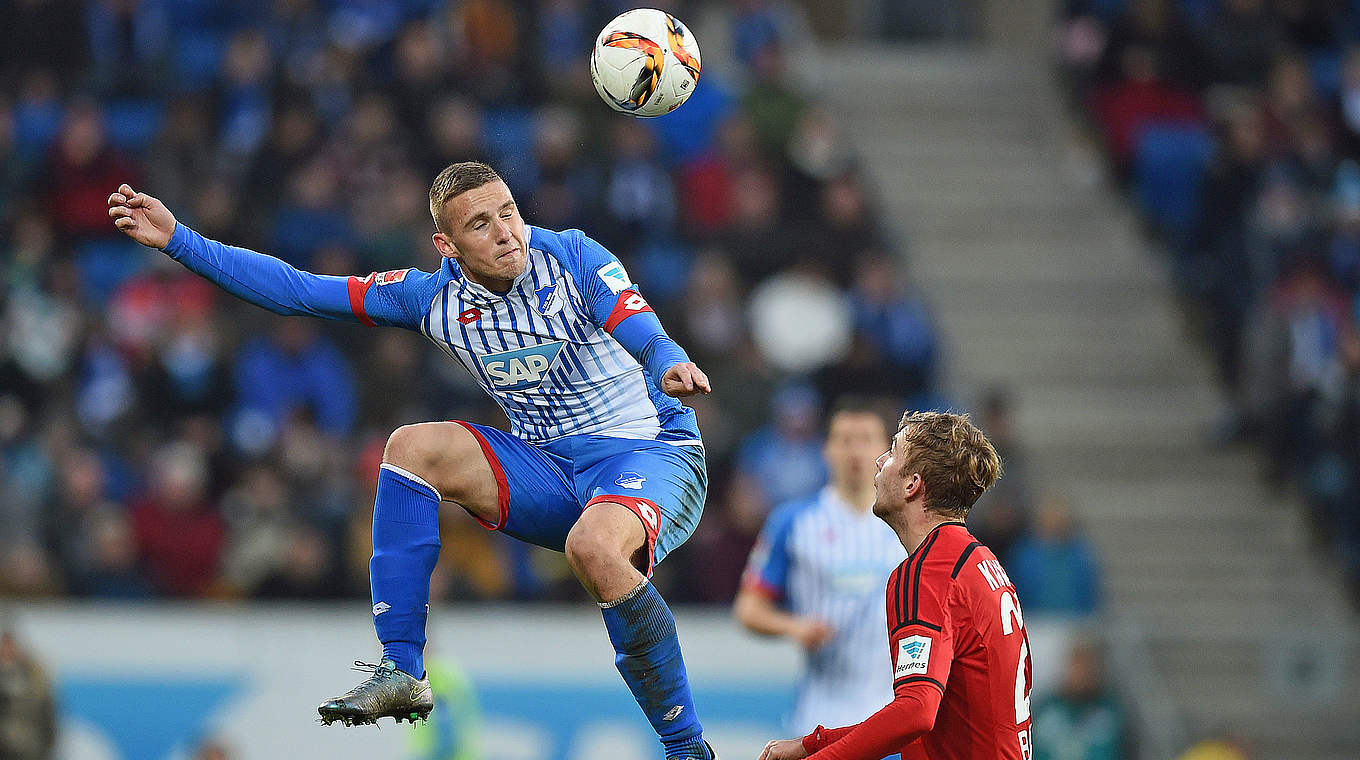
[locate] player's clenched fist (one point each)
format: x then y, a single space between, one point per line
783 749
685 379
141 217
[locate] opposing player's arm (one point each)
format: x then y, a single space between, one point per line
765 581
258 278
920 638
902 721
617 306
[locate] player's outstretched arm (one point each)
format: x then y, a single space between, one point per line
258 278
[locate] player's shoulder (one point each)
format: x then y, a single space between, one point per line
575 251
563 245
411 288
784 517
943 553
926 580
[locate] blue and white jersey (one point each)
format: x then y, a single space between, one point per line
823 558
571 349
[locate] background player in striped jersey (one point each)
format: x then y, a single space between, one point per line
817 575
960 654
601 462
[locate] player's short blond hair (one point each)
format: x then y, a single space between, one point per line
954 458
455 180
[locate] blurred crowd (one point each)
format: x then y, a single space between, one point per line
159 438
1235 126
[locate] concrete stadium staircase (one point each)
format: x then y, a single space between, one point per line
1229 621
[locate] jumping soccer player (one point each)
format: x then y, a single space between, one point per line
601 462
960 654
817 576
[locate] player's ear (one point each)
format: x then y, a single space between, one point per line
444 244
914 486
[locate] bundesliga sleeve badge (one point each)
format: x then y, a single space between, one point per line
913 656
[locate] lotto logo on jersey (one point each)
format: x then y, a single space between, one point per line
913 656
523 368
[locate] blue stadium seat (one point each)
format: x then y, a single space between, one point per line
196 57
133 124
1325 66
36 125
105 264
508 134
1199 13
1168 169
1108 11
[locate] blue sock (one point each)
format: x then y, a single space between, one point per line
405 549
643 632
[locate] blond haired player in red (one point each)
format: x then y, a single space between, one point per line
960 655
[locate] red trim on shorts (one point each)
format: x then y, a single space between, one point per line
638 506
502 485
625 307
357 290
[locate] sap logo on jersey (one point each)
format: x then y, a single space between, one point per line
523 368
913 656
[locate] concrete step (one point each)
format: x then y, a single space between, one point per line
1123 460
1044 282
1030 262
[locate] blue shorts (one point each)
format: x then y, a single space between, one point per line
544 488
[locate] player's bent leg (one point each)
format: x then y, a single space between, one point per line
450 458
604 548
422 465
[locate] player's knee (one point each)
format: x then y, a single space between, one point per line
589 551
410 447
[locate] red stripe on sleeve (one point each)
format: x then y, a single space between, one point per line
357 290
630 302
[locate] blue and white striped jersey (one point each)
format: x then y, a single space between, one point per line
823 558
571 349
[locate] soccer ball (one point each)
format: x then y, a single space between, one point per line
645 63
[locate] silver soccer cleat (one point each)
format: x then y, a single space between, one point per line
388 693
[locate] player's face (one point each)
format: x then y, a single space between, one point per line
486 235
853 443
890 483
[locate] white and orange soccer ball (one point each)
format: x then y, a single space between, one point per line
645 63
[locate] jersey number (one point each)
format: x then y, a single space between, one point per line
1012 621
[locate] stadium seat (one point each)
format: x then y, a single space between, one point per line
36 125
197 55
1168 169
1198 13
133 124
508 134
1325 66
105 264
1108 11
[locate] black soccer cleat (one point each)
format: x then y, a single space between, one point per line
388 693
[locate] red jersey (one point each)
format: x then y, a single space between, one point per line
960 659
